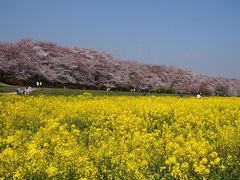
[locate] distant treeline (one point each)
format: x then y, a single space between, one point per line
27 62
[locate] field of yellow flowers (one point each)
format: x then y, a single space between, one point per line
119 137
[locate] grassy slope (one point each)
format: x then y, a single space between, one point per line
4 88
75 92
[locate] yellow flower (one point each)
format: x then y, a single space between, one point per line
213 154
118 137
185 166
171 160
217 161
51 171
204 161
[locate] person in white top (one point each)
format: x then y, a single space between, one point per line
199 96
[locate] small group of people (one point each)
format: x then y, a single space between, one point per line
25 91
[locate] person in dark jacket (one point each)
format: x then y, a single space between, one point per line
19 91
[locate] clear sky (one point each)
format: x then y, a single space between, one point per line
202 35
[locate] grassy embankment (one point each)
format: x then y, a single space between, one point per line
4 88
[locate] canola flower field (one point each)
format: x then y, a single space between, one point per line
86 137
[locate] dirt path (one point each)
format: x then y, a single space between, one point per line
9 93
33 89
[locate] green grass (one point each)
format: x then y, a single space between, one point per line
4 85
75 92
4 88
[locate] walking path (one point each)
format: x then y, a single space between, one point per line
8 93
33 89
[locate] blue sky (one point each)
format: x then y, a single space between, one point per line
202 35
